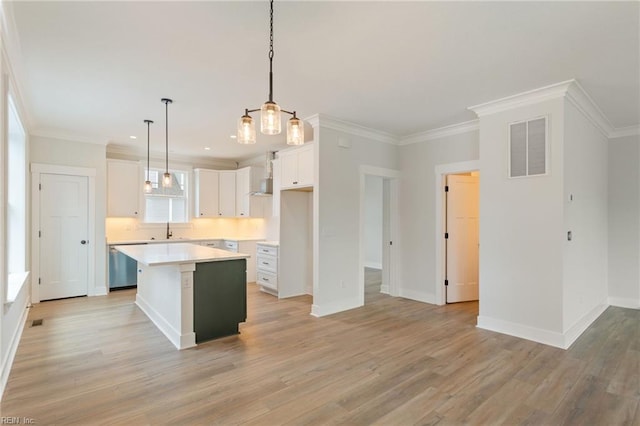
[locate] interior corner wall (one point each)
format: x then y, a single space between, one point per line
624 222
337 204
585 216
373 222
76 154
418 208
521 231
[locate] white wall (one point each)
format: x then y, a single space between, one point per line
337 201
585 256
521 231
76 154
624 222
418 208
373 222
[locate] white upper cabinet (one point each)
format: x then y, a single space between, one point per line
124 188
206 193
296 167
227 193
248 181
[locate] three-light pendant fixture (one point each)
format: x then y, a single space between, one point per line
166 177
270 111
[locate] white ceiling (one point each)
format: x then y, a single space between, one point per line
96 70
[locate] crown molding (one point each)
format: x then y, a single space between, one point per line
323 120
441 132
552 91
625 131
583 102
62 136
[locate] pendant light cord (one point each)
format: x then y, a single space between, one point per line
271 54
148 132
166 132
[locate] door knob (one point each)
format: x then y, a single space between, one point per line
84 242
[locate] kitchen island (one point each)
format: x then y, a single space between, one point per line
191 293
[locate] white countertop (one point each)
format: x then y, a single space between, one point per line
176 253
180 240
270 243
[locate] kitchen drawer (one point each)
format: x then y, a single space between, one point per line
231 245
266 279
271 251
212 243
267 263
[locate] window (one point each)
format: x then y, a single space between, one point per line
164 205
528 148
16 203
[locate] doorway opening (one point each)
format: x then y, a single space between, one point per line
461 237
378 212
456 232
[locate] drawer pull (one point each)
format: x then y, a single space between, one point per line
265 263
265 279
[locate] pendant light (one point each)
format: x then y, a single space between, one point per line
270 111
166 177
147 183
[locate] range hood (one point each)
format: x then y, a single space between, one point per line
266 184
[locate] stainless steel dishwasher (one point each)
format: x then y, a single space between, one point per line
122 271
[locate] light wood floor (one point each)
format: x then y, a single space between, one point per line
99 360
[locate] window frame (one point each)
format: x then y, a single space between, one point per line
143 223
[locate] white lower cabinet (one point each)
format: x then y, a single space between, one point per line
267 268
213 243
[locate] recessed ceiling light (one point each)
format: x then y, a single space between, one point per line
133 137
206 148
233 136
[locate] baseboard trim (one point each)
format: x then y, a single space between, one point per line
521 331
180 341
546 337
7 362
572 334
384 289
334 307
419 296
623 302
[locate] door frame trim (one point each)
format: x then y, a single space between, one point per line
441 170
393 176
90 174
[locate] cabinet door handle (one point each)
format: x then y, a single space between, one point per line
201 214
265 263
295 183
265 279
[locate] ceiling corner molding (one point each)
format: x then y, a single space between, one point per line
583 102
68 137
552 91
441 132
322 120
625 131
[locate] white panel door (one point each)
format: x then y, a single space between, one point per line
463 238
64 239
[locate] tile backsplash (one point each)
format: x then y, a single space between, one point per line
128 229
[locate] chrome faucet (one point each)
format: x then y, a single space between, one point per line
169 233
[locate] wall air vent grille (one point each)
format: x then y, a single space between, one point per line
528 148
